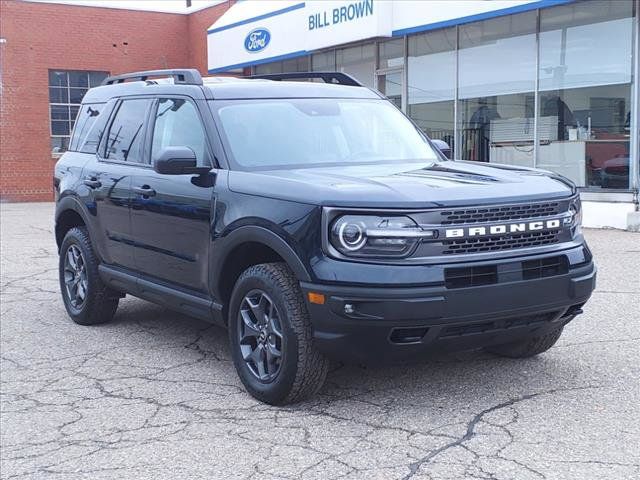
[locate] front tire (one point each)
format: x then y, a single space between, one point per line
87 299
528 347
271 337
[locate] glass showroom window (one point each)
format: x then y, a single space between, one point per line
66 89
265 68
585 78
359 62
496 82
298 64
390 74
432 79
324 61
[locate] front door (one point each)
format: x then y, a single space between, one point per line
171 214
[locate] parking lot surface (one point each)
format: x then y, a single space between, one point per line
153 394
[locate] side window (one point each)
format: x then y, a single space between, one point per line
178 125
125 139
88 129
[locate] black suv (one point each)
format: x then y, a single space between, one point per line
314 220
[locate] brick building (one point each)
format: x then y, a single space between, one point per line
50 53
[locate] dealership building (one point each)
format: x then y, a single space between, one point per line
551 84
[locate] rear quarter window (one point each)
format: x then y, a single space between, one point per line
89 127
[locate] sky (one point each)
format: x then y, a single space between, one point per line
174 6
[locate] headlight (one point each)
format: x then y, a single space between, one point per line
374 236
575 213
574 219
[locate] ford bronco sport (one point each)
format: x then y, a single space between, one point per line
314 220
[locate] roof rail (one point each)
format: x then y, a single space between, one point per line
184 76
328 77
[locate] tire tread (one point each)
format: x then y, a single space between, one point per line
103 302
312 366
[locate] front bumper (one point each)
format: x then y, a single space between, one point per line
373 324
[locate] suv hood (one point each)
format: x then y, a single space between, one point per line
405 185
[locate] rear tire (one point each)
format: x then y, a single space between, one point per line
528 347
271 336
87 299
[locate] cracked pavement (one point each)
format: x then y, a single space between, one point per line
154 395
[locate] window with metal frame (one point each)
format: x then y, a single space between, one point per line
66 90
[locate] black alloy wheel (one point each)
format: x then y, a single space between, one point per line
75 277
260 335
87 299
271 336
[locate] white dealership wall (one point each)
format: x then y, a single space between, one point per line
298 28
295 30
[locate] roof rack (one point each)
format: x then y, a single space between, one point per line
329 77
184 76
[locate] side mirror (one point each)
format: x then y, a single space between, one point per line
443 147
178 161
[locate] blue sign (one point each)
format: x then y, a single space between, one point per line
257 40
346 13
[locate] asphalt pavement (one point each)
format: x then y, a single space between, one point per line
154 395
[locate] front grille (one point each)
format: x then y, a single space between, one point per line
465 277
494 230
497 243
496 325
471 276
544 267
499 214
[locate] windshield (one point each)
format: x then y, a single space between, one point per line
285 133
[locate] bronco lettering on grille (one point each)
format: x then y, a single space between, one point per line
502 229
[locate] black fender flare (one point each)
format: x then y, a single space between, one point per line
71 202
252 233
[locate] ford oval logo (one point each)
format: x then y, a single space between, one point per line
257 40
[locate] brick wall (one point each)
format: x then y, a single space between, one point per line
198 24
39 37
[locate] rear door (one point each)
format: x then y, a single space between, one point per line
109 177
171 214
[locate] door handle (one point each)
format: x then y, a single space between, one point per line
145 191
92 182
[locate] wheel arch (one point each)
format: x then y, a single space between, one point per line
245 247
69 214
